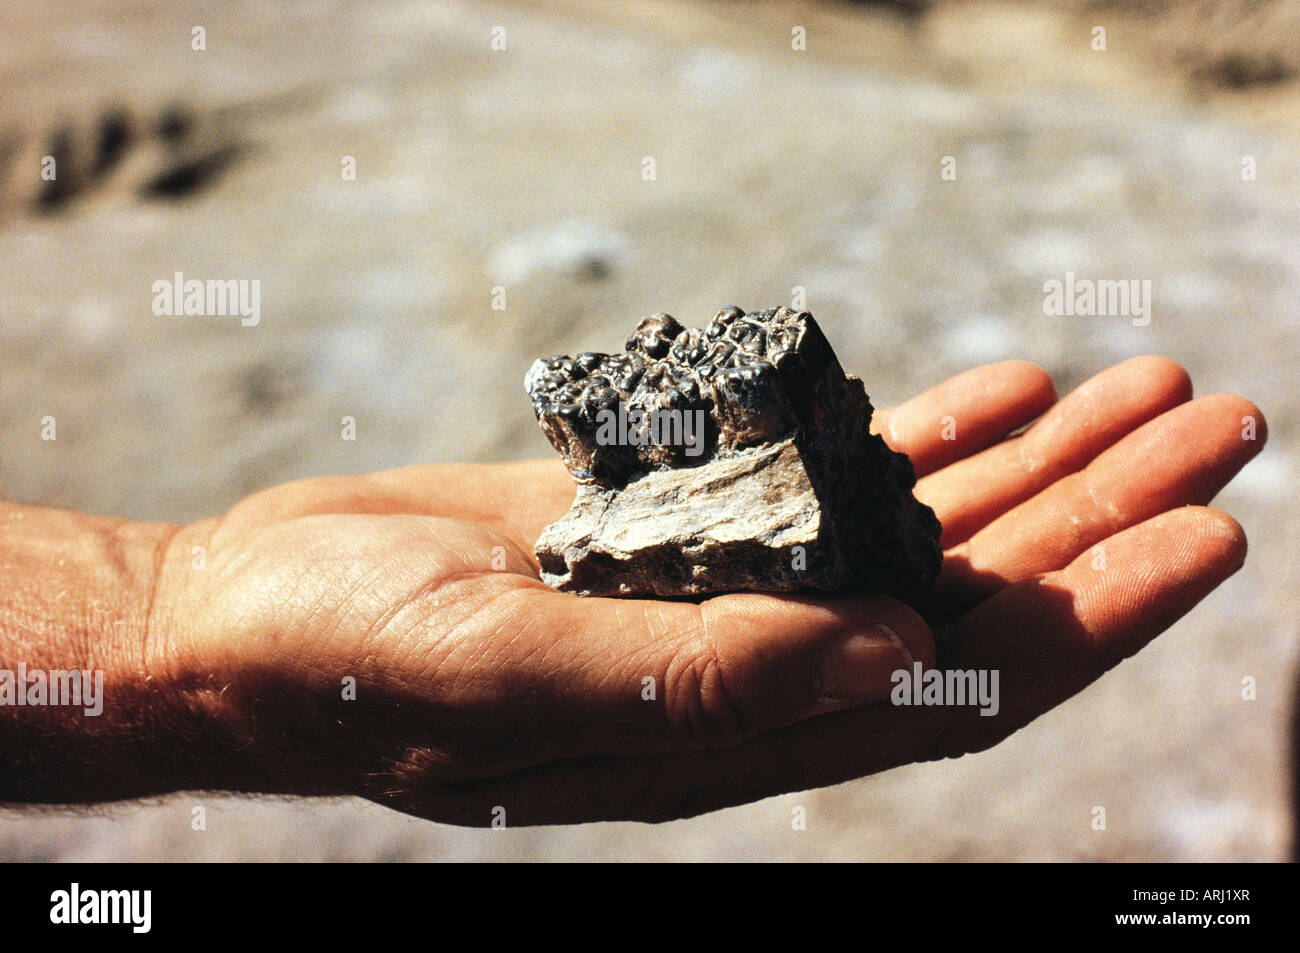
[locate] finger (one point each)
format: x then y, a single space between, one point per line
1184 456
971 493
1048 638
592 676
966 413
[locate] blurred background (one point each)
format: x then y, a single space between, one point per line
777 170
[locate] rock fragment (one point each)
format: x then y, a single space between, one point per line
737 457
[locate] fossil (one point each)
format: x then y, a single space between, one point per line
734 457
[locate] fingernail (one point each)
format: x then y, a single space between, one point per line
860 665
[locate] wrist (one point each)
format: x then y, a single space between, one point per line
221 699
77 701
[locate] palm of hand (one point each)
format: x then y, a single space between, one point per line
474 686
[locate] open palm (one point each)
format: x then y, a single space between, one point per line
387 635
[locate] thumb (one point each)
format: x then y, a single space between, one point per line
640 676
787 658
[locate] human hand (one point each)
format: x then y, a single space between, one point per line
479 688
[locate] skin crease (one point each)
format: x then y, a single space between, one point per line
228 644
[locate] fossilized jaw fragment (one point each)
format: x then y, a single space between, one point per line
736 457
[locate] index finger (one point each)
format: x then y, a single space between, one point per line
966 413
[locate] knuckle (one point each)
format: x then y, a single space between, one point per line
700 706
953 735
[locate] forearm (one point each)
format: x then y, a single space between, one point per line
75 595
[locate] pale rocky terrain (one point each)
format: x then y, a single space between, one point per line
775 169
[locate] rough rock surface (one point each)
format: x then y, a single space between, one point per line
737 457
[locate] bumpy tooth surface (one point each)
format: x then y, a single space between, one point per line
732 371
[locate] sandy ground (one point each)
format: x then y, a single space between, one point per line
775 169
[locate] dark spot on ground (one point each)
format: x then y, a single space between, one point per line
58 190
190 174
114 138
175 123
592 268
266 387
1242 71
